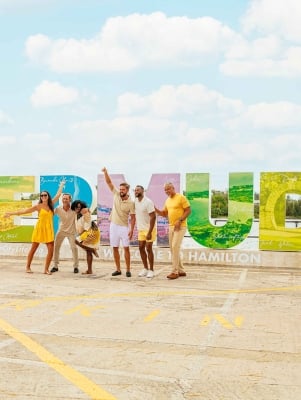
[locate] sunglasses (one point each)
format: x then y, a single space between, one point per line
43 195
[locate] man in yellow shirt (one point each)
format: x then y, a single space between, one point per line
176 209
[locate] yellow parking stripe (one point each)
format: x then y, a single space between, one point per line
79 380
152 315
19 305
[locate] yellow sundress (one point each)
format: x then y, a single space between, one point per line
43 231
87 235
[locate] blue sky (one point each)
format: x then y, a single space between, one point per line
149 87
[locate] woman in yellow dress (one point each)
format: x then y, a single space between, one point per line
43 231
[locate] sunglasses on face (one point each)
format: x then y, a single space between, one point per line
43 195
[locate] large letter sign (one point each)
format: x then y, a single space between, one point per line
155 191
240 215
273 235
21 192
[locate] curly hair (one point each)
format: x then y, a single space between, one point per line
77 203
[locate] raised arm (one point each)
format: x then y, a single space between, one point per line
108 179
59 192
22 211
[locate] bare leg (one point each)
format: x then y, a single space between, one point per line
150 254
89 256
50 247
116 257
143 254
89 262
127 257
30 255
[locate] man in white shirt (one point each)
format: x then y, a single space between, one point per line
147 233
66 230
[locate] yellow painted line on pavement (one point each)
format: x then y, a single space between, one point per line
238 321
222 320
21 304
152 315
83 310
78 379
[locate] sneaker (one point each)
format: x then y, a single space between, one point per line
115 273
150 274
128 274
76 270
143 272
54 269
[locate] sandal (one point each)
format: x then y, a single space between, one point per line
86 273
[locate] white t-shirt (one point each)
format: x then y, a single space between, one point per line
143 208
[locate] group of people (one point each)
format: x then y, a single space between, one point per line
142 211
76 225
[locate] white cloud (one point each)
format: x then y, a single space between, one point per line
274 16
174 101
49 94
248 151
5 119
38 48
7 140
269 116
262 48
193 137
263 61
133 41
155 40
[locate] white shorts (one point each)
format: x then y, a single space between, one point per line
119 233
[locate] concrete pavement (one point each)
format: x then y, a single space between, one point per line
220 333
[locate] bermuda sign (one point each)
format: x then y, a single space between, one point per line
22 191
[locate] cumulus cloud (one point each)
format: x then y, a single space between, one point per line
262 57
269 116
50 94
274 16
271 45
174 101
132 41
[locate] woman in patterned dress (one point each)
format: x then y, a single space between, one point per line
43 231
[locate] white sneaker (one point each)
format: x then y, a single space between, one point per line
150 274
143 272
